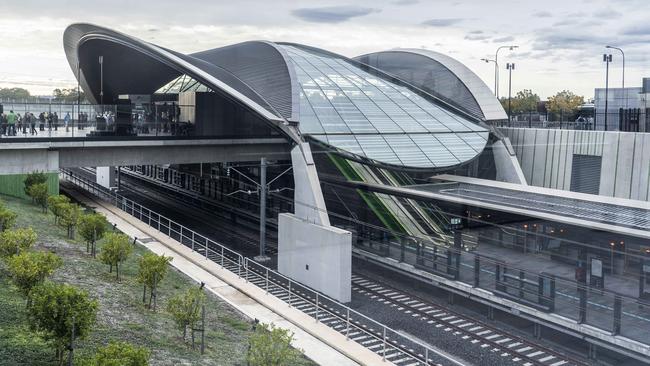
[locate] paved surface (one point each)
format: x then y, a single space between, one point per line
320 343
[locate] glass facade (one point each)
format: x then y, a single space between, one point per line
353 110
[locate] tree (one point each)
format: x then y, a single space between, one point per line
55 204
271 346
7 218
565 103
152 269
29 269
34 178
16 241
14 93
116 249
92 227
185 309
70 215
67 95
57 309
120 354
38 193
524 101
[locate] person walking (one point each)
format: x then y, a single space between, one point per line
32 123
41 118
55 119
66 120
11 123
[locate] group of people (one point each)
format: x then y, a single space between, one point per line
12 123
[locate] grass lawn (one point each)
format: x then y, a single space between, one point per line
121 315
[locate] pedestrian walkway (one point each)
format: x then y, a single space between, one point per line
320 343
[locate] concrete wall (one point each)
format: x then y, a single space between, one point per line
317 256
546 157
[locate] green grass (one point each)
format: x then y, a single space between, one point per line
121 316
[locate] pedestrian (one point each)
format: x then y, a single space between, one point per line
33 124
41 119
55 119
66 120
11 123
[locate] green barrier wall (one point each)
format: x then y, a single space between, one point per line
13 184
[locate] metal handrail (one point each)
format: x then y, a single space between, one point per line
129 206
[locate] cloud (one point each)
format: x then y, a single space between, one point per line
332 14
442 22
405 2
477 37
504 39
564 22
542 14
607 14
642 29
566 40
476 32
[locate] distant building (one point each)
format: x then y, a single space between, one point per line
627 109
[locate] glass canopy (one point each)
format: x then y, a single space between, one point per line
353 110
181 84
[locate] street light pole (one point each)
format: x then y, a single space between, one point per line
496 76
510 67
607 59
101 82
623 54
496 67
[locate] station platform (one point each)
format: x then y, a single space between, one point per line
319 342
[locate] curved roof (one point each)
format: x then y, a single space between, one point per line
340 103
442 76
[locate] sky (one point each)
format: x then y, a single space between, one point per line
560 42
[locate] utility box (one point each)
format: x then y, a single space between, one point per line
316 256
105 176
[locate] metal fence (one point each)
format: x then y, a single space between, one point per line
341 318
633 120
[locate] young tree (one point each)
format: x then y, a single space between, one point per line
152 269
119 354
565 102
70 214
14 242
7 218
34 178
38 193
92 227
57 309
29 269
55 204
185 309
271 346
117 248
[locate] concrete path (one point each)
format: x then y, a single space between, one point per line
319 342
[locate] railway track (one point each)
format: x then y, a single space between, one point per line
476 333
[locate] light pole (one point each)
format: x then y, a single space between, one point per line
606 59
101 82
496 67
510 67
623 54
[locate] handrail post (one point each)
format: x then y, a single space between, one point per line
317 307
267 280
289 293
192 240
383 356
206 240
206 249
347 323
181 234
426 356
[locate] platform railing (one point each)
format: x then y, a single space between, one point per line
321 307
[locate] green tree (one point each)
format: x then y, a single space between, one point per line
185 309
92 227
55 203
14 93
29 269
16 241
7 218
67 95
565 103
523 102
119 354
151 270
58 308
117 248
70 215
34 178
271 346
39 193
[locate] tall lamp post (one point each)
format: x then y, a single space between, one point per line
623 54
606 59
510 67
496 67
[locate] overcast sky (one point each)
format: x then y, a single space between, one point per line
561 42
